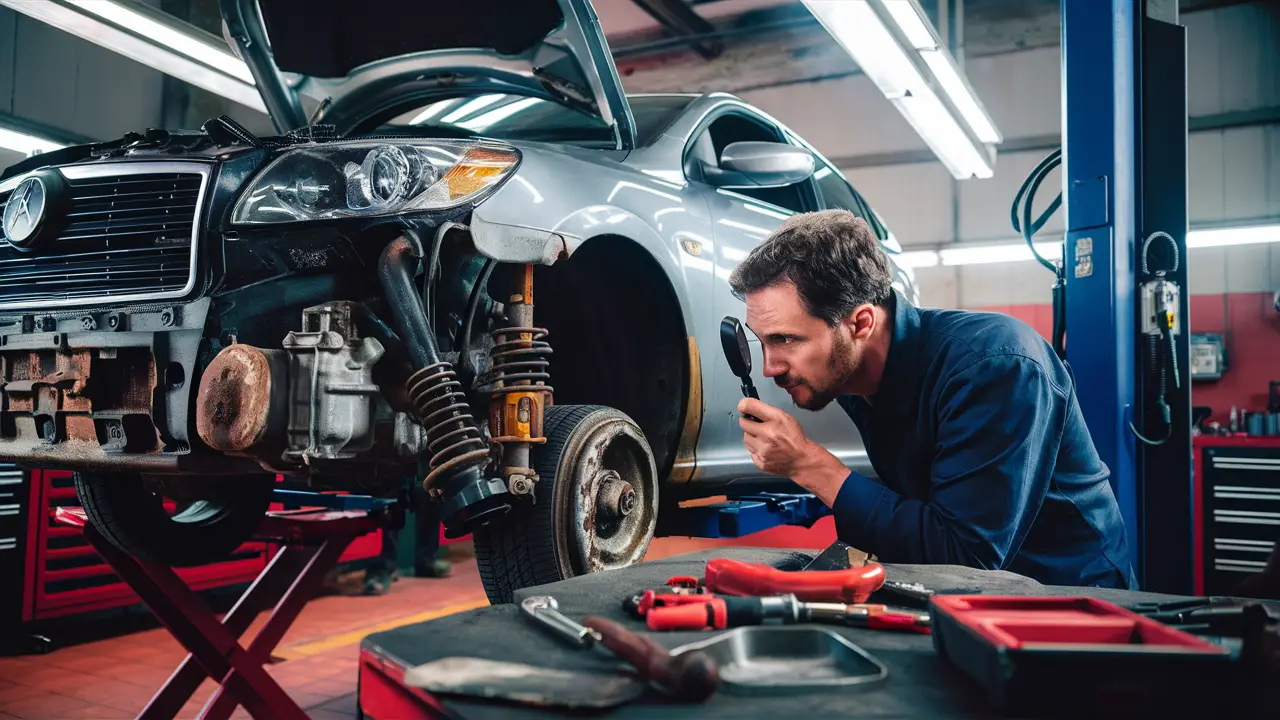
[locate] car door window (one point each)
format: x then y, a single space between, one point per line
736 127
837 193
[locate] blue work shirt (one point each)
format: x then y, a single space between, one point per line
983 456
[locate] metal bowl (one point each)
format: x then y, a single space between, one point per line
764 659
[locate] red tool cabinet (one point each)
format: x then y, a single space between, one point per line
1237 509
51 571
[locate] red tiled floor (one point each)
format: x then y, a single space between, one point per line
116 677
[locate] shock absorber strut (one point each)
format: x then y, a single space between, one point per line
459 454
518 376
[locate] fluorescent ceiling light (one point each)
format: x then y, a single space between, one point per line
192 47
916 259
1226 237
911 72
935 124
25 144
118 27
985 254
956 255
966 102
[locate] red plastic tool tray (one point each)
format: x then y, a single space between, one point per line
1044 656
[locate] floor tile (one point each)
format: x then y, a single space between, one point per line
46 706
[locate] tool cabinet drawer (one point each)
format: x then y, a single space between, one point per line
1240 511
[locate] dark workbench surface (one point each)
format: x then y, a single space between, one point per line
920 683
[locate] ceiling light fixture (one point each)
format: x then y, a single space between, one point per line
152 38
895 45
1231 236
965 254
28 145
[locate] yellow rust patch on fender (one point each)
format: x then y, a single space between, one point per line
685 468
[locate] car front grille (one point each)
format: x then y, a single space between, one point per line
131 235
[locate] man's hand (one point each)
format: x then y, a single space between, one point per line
779 446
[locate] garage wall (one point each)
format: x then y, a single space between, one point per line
1233 71
56 79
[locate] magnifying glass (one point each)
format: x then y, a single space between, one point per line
733 339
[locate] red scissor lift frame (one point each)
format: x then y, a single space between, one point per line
312 541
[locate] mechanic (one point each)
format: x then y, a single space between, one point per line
969 419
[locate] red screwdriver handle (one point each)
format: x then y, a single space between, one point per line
730 577
710 615
897 622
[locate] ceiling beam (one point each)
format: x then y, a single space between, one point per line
682 21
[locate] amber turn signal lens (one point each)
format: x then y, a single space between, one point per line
478 169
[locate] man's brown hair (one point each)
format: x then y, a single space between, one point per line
832 256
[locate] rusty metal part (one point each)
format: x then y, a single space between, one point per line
518 418
234 403
75 404
517 380
607 454
617 498
685 468
518 484
452 437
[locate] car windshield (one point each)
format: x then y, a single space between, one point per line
513 117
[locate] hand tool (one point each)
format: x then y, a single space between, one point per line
677 587
539 687
692 676
736 350
1200 616
855 585
546 611
916 595
718 613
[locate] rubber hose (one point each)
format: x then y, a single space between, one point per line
473 302
395 271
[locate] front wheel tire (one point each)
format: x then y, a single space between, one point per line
131 516
595 505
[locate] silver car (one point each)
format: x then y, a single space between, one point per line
479 268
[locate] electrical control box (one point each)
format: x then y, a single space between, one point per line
1208 356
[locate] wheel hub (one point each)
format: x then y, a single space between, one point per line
611 496
616 499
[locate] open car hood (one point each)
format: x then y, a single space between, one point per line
358 55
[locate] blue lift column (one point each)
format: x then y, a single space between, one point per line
1125 182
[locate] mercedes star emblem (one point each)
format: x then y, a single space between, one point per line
25 210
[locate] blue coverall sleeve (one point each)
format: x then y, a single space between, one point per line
1000 423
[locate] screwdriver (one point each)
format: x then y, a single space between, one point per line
718 613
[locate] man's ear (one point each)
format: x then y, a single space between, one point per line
860 322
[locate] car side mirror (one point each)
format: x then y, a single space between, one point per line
753 164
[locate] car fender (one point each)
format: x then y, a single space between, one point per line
546 211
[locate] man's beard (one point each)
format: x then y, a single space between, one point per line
840 366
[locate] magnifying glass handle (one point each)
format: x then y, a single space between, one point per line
749 390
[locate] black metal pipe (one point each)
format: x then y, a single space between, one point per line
395 271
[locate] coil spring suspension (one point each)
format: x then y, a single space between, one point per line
519 363
454 441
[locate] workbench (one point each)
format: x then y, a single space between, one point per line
920 682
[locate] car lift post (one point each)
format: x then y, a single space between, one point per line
313 541
1125 178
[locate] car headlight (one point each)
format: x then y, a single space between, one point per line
370 178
